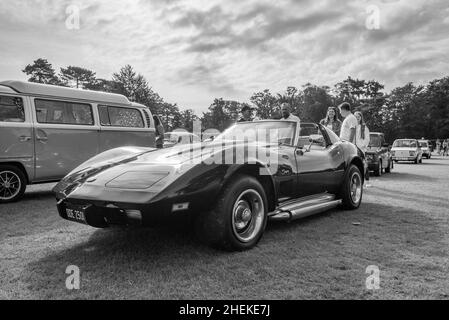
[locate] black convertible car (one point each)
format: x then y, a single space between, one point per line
230 187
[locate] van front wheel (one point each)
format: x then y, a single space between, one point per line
12 183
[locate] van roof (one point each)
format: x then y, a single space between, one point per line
30 88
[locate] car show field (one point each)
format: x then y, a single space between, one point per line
402 228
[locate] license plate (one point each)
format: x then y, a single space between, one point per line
76 213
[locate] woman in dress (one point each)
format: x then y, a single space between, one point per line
331 121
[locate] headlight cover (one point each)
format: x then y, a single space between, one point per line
136 180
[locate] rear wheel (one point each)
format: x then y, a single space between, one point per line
352 192
12 183
239 218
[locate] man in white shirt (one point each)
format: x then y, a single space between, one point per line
286 111
349 126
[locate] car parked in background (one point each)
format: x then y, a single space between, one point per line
47 131
378 154
426 148
407 150
172 139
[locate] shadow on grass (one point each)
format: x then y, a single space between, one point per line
298 260
404 177
37 195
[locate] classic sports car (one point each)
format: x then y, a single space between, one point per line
378 155
231 187
407 150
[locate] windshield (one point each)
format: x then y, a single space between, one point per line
375 141
423 144
271 132
405 144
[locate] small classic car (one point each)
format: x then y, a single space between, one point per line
407 150
378 155
426 148
231 187
172 139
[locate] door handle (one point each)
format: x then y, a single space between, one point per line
43 139
24 138
299 153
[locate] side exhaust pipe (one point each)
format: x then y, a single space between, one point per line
302 210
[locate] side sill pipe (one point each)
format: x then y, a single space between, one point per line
302 211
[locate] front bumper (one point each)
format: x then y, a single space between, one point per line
404 158
106 214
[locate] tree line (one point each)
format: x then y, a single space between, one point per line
410 111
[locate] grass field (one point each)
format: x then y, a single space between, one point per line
402 227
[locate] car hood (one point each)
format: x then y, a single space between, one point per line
142 175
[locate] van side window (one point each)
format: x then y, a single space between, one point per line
60 112
120 117
11 109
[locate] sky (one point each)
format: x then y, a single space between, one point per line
194 51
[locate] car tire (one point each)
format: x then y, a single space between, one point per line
416 160
420 160
378 171
239 218
352 189
13 183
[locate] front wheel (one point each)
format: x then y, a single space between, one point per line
352 192
12 183
239 218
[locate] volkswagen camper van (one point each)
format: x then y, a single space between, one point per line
46 131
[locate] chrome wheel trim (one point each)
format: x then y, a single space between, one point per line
356 188
248 215
10 185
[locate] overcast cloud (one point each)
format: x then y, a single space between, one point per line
194 51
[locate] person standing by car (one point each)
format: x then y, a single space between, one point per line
349 126
362 133
247 114
287 115
438 145
331 121
445 147
160 132
362 139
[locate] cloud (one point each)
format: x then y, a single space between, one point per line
194 51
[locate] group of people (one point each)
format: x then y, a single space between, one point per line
442 147
352 129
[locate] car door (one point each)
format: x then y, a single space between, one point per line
65 136
286 177
320 161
